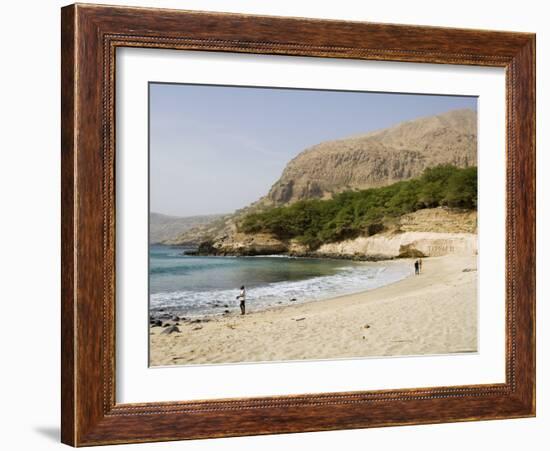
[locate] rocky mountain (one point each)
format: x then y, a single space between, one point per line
378 158
164 228
359 162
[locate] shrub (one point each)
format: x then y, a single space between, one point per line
353 213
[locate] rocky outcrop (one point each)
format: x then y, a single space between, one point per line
243 244
407 244
425 233
376 247
378 158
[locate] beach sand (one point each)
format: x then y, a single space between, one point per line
432 313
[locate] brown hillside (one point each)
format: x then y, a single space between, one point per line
378 158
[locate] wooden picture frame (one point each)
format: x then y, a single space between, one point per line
90 36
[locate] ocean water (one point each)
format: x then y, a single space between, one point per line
199 286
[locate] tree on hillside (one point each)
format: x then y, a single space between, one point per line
353 213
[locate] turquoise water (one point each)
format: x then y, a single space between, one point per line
199 286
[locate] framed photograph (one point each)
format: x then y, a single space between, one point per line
278 225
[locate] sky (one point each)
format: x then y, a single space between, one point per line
214 149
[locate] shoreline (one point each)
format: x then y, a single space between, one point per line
306 255
433 313
171 313
373 258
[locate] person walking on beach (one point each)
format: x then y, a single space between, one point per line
242 298
416 267
419 265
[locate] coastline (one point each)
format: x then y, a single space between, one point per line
378 247
313 255
375 258
433 313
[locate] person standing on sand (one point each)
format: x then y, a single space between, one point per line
419 265
242 298
416 267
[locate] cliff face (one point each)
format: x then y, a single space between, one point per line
408 244
378 158
431 232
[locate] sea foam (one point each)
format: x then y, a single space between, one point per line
348 280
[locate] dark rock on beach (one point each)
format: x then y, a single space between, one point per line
409 251
170 330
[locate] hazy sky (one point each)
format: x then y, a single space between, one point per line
214 149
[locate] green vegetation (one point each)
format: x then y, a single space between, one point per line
356 213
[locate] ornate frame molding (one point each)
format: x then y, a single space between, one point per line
90 37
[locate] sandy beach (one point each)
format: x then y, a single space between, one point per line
432 313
